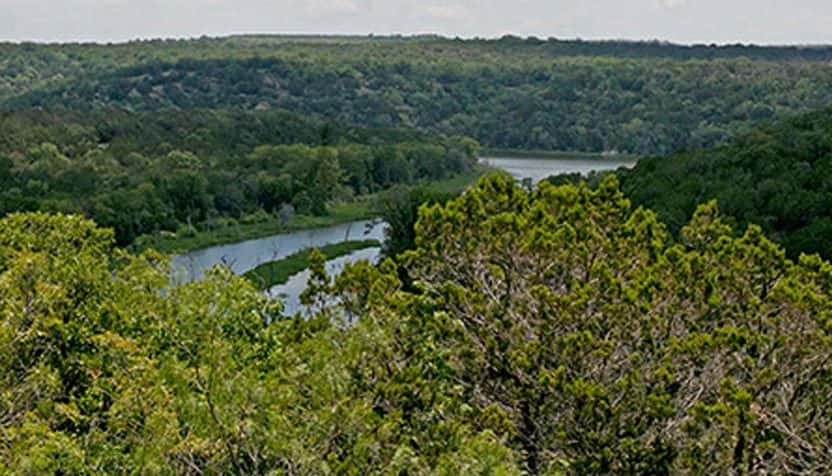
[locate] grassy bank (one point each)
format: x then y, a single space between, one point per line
278 272
172 243
363 208
549 154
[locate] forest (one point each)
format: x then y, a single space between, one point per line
643 98
174 171
778 176
675 318
557 332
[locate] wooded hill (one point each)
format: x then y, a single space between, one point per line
516 93
779 176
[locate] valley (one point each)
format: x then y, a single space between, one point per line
339 254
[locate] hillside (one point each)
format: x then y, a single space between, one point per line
778 176
646 98
625 324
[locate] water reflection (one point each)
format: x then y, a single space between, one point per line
540 169
247 255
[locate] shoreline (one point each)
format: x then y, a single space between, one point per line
276 273
497 153
356 211
362 208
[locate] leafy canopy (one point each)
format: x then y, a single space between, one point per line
553 332
779 176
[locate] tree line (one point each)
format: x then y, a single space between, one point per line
644 98
560 331
146 172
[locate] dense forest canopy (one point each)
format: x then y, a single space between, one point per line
568 329
778 176
516 93
144 172
557 332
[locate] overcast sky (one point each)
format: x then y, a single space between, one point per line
684 21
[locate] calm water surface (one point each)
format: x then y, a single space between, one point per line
247 255
290 292
539 169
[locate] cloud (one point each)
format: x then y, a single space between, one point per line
670 4
449 12
704 21
329 7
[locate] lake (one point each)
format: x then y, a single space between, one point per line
247 255
539 169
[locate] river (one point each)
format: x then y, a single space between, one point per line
540 169
247 255
290 292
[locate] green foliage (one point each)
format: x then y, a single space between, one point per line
556 331
777 177
399 208
185 172
512 93
278 272
101 373
551 332
567 324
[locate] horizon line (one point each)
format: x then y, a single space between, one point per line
410 36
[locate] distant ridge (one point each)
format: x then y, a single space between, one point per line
623 48
613 96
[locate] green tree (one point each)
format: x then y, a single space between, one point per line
572 327
324 180
399 208
776 176
186 193
557 331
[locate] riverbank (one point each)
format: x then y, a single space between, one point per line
174 244
363 208
488 153
278 272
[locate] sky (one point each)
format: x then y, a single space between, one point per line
680 21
